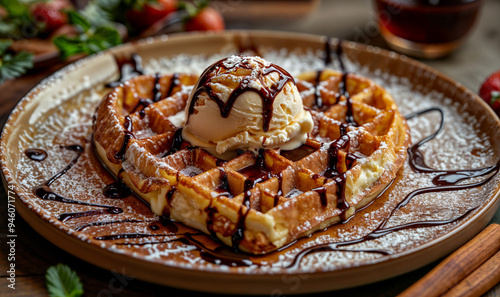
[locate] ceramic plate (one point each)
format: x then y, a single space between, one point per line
123 235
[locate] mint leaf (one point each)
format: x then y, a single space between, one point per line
70 46
101 12
90 41
14 8
4 45
63 282
6 28
78 20
16 19
96 15
12 66
103 38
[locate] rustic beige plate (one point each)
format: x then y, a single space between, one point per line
58 113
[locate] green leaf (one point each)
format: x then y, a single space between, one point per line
104 12
137 4
14 8
96 15
92 42
193 8
70 46
7 27
4 45
77 19
106 37
108 4
15 66
63 282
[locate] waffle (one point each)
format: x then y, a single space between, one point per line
255 202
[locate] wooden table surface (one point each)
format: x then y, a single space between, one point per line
346 19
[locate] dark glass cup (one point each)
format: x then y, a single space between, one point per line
426 28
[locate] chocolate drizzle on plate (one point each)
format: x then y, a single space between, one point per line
103 223
129 235
36 154
117 190
446 177
73 215
221 255
267 94
44 191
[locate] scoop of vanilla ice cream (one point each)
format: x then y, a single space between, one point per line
245 103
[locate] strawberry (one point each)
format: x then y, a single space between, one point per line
50 15
150 13
490 92
207 19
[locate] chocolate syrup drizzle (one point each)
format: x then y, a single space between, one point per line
36 154
129 236
447 177
117 190
220 255
343 141
157 95
342 85
280 189
143 102
129 68
267 94
128 127
332 173
223 187
44 191
157 88
173 83
255 174
80 228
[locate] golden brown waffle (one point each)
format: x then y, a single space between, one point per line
255 203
